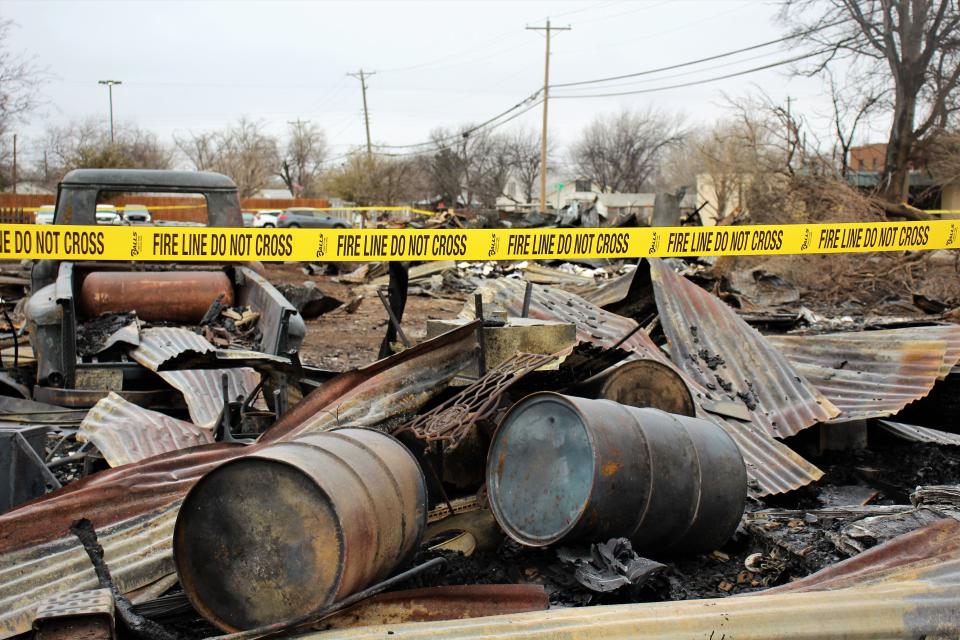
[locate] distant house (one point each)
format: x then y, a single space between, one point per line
621 205
574 189
717 200
274 194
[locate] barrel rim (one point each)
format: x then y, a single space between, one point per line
691 405
539 396
185 578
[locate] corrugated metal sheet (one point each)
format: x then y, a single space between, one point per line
159 344
36 548
138 551
125 432
202 390
906 588
723 353
771 465
871 374
915 433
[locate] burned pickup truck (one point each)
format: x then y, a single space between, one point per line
101 327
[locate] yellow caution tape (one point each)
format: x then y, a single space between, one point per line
74 242
149 208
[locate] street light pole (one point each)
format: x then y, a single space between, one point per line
110 84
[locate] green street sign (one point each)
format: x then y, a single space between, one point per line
560 185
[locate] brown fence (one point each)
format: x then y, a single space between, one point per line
182 208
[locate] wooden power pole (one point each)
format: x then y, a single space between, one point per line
366 115
546 96
14 163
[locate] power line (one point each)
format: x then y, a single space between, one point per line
439 145
681 65
467 132
779 63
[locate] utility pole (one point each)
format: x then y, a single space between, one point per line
110 84
546 95
14 164
366 115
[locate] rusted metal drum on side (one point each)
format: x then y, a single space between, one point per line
298 525
563 468
174 296
643 383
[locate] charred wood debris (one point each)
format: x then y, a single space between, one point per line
580 434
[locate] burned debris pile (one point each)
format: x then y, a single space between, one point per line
599 448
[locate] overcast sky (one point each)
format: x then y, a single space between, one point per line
193 66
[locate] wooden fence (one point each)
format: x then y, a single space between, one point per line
18 208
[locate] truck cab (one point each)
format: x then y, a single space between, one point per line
66 295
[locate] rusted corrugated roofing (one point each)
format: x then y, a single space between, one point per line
159 344
125 432
724 354
138 503
202 390
915 433
906 588
772 466
138 551
871 374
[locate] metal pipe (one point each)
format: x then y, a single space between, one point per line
393 319
324 612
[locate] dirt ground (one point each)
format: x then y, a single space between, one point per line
341 340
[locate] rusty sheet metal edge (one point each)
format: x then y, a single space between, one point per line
700 327
202 390
908 587
916 433
908 609
125 432
132 499
772 466
160 344
442 603
871 374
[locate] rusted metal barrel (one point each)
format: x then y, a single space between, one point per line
643 383
298 525
174 296
566 468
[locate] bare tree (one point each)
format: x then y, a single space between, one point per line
243 151
622 151
849 112
20 80
911 48
87 144
375 180
523 148
303 158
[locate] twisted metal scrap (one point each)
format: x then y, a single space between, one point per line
451 421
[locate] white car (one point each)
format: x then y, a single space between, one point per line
266 218
136 214
44 215
108 214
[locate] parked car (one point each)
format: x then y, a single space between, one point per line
248 218
44 215
266 217
306 217
108 214
136 214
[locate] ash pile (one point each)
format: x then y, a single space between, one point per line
597 449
